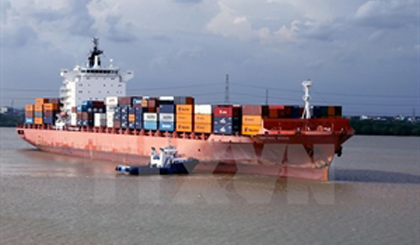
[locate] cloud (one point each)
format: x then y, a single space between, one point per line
387 13
118 31
188 1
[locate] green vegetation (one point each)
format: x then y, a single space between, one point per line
386 127
11 120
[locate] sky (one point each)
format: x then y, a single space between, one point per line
360 54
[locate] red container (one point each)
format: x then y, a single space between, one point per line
74 109
54 100
237 111
98 103
48 113
79 115
124 100
252 110
152 103
223 111
29 114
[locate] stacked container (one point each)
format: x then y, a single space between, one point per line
117 118
251 119
124 115
39 115
227 119
166 116
111 105
50 110
203 120
184 117
29 114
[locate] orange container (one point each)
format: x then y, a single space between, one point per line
204 119
203 128
144 103
250 129
331 111
39 107
131 117
251 120
184 118
184 109
51 106
183 127
38 120
41 101
29 107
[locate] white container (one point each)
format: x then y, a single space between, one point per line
99 119
111 108
203 109
167 98
73 119
150 117
110 119
111 101
166 117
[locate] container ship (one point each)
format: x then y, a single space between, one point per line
94 118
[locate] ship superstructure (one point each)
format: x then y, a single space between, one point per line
91 82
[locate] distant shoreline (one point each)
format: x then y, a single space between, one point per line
362 127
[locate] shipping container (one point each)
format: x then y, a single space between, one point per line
49 120
338 111
166 117
131 118
144 103
150 125
111 101
73 119
74 109
203 109
40 101
250 129
29 114
251 120
252 110
110 119
29 120
150 117
223 111
152 103
49 113
184 118
165 108
222 120
166 126
39 107
54 100
223 129
99 119
38 114
331 111
81 108
124 124
29 107
184 109
117 124
138 124
136 100
203 118
202 128
184 127
124 101
38 120
51 106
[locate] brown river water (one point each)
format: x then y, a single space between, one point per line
374 198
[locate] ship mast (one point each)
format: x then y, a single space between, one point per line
307 111
94 60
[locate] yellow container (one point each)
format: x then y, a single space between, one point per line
39 107
250 129
50 106
38 120
41 101
184 118
183 127
203 128
29 107
131 117
251 120
203 119
184 109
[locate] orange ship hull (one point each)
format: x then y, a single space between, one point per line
305 154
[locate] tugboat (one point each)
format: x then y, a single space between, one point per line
167 162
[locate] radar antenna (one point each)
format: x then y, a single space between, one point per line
94 59
307 111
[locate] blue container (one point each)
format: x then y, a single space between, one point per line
222 121
48 120
124 117
222 129
131 125
87 123
296 112
150 125
138 124
117 116
124 109
138 111
87 103
136 100
118 109
166 126
29 120
82 108
166 108
131 110
124 124
139 118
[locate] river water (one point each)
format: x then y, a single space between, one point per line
374 198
